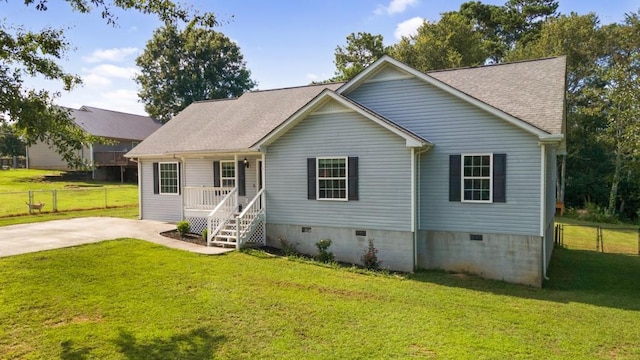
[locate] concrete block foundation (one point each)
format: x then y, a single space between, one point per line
511 258
395 248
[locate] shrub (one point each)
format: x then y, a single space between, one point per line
595 213
324 255
370 257
204 233
288 248
183 227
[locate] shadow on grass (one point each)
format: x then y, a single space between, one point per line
71 352
196 344
588 277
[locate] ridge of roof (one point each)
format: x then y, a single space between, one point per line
113 111
297 87
495 64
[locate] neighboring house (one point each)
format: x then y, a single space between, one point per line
450 169
125 131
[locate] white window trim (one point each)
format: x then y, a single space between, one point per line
346 178
223 178
462 178
160 192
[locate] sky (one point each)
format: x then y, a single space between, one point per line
284 42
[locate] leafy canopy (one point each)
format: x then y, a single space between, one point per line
35 53
179 67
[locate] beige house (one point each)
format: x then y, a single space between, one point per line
125 130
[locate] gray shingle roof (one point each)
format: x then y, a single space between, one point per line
114 124
226 125
532 91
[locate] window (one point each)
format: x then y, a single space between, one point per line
476 177
332 178
134 144
228 173
168 178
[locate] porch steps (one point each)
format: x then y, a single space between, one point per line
227 236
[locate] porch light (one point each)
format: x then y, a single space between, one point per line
246 163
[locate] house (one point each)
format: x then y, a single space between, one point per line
450 169
123 130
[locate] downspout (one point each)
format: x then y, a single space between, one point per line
413 208
543 207
26 152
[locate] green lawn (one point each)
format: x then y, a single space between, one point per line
617 238
128 299
70 195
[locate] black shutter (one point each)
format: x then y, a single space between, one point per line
241 177
455 177
311 178
216 174
179 177
499 177
156 177
353 178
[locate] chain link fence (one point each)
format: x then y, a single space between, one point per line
609 239
34 201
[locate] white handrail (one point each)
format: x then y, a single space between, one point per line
224 204
250 204
251 212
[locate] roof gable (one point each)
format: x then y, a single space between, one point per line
329 102
527 94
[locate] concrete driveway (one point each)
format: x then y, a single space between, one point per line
26 238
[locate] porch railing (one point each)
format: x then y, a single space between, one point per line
115 158
250 222
204 197
219 216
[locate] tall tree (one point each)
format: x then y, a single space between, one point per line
517 22
448 43
619 99
36 53
179 67
10 142
362 49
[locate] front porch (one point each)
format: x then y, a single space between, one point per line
231 211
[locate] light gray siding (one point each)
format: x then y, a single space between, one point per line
157 206
199 172
384 174
456 127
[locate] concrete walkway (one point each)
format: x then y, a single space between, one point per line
26 238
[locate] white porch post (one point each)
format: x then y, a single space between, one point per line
235 166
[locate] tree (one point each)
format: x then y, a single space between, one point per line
448 43
28 53
10 143
362 50
619 99
507 27
180 67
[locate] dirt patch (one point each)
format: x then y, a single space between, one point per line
192 238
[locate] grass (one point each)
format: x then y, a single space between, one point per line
69 195
131 299
617 238
127 212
